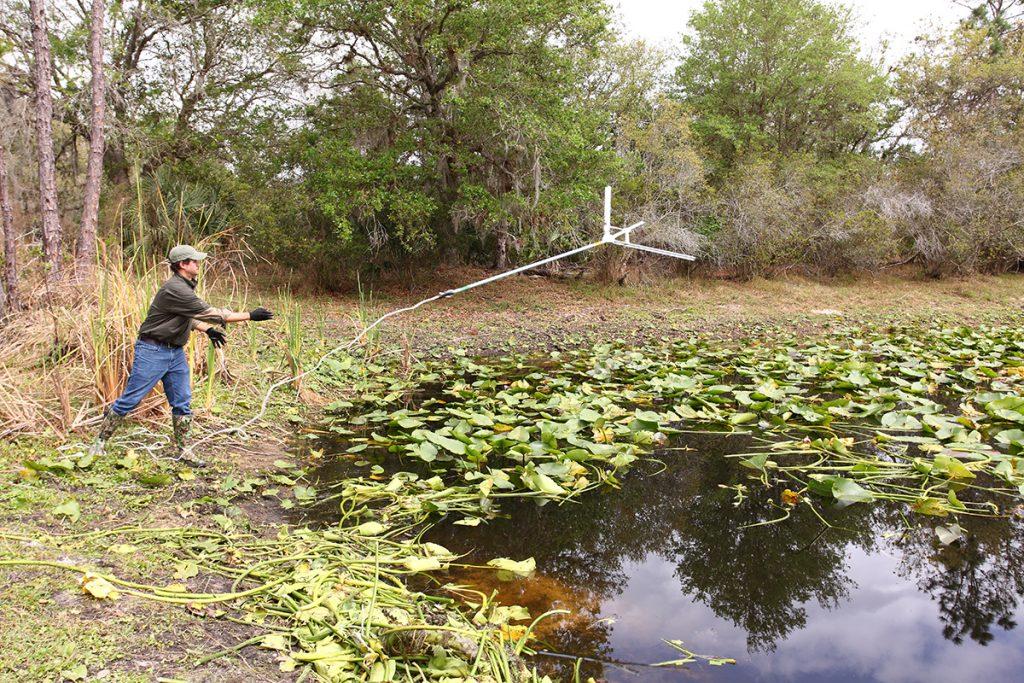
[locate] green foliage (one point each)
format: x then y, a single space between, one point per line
802 211
662 182
370 197
967 99
170 207
482 141
351 138
785 76
992 17
956 83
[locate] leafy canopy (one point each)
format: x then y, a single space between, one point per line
778 75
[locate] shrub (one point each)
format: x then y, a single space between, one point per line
802 213
974 186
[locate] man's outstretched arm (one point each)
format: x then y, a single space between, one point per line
185 302
255 315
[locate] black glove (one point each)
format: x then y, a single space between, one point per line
217 337
259 314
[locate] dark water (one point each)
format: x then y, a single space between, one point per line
672 556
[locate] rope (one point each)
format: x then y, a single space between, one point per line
316 366
366 330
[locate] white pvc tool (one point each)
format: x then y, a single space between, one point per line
612 235
624 233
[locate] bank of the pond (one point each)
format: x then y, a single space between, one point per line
181 545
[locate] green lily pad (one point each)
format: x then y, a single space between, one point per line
848 491
70 509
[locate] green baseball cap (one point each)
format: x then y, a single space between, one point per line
185 252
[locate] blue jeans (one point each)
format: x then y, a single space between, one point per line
152 364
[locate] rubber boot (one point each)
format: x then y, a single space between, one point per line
182 424
111 421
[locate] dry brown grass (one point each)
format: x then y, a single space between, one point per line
68 356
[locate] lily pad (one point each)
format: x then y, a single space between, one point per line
70 509
370 529
849 491
519 568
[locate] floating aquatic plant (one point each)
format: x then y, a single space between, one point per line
928 418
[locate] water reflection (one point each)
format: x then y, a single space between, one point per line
671 555
976 583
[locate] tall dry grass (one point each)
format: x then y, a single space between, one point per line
65 359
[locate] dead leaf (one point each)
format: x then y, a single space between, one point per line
98 587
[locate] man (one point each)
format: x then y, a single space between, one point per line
159 354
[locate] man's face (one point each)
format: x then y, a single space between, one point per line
190 269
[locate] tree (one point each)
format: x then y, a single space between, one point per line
996 17
463 127
664 182
965 104
94 170
779 76
958 82
976 583
534 150
9 299
49 214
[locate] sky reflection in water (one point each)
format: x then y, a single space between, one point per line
667 557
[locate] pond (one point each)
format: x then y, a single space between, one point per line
672 555
822 541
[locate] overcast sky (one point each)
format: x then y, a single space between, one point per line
898 21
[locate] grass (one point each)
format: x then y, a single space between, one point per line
48 632
82 343
55 625
294 334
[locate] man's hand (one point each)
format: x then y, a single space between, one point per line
217 337
260 314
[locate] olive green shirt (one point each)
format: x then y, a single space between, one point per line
175 310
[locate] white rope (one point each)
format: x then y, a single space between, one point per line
620 238
352 342
316 366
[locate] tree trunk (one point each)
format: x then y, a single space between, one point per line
10 274
501 247
44 140
94 172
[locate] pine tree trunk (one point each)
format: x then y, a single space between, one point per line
94 172
44 140
10 274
